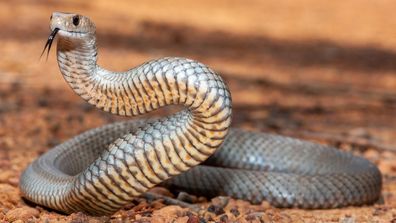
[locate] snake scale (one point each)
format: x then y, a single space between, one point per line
103 169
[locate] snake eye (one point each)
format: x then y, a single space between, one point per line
76 20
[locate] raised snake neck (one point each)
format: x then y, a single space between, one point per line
103 169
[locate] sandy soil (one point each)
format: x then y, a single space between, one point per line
320 71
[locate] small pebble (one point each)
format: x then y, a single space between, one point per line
216 209
235 212
193 219
224 218
23 213
183 196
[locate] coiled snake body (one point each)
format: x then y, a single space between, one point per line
101 170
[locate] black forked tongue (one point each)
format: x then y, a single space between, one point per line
49 42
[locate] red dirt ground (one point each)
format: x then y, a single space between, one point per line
323 71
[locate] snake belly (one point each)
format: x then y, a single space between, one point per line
103 169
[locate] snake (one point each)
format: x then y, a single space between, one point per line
194 149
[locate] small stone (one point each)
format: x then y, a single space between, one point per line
168 213
14 181
23 213
193 219
221 201
216 209
372 154
5 175
347 219
265 204
183 196
254 216
224 218
181 219
235 211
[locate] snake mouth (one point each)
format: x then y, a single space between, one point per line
48 44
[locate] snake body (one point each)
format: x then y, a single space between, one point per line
103 169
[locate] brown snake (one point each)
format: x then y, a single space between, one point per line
103 169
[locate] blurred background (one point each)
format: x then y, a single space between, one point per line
322 70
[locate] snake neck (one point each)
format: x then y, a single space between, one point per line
77 62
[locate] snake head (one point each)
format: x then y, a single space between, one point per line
71 25
68 25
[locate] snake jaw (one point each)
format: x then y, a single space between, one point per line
48 44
